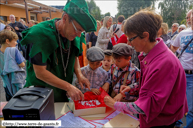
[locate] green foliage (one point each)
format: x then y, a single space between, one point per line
94 10
174 11
108 14
183 21
129 7
191 5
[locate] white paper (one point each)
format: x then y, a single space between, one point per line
112 115
90 103
103 121
132 117
97 125
69 120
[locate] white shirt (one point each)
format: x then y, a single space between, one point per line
2 26
181 40
119 32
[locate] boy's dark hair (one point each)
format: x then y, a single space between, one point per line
116 56
6 34
121 18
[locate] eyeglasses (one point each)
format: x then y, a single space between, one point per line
181 28
77 31
173 26
133 38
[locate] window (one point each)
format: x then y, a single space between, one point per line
43 18
4 18
23 18
32 18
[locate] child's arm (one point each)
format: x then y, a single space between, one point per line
135 84
95 91
132 89
84 89
107 83
106 87
19 58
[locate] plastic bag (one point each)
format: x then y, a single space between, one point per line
91 99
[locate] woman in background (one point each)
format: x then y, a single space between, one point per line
103 34
94 35
163 34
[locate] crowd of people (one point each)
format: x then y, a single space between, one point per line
145 69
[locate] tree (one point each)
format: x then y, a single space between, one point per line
94 10
174 11
108 14
129 7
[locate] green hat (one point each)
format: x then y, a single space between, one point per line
78 10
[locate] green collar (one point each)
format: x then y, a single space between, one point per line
44 38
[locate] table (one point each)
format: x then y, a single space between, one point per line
61 109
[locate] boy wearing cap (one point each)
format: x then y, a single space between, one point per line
96 75
123 72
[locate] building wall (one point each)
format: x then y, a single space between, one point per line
44 15
20 13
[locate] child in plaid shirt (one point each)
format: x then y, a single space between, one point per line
96 75
122 56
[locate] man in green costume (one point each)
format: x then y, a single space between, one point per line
53 48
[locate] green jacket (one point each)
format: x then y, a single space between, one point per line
45 40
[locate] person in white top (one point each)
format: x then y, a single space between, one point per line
2 26
119 33
103 34
186 59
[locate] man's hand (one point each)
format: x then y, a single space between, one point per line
43 74
109 101
82 80
124 89
75 93
16 28
95 91
106 87
118 97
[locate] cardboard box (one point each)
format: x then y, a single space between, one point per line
92 104
62 108
122 121
89 111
